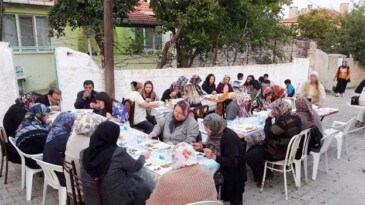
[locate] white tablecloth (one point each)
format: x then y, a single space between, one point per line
150 176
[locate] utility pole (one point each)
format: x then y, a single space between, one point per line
1 19
108 49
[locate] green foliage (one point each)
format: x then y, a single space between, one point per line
136 45
208 25
87 14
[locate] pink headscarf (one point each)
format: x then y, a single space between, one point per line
244 102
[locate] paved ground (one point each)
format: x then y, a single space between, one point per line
344 184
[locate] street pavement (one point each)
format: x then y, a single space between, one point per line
344 183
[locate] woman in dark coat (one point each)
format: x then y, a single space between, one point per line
12 119
209 84
113 166
32 132
224 146
171 93
277 138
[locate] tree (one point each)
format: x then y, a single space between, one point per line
85 14
205 26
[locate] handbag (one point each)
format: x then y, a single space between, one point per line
355 100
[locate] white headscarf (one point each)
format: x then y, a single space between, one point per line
183 155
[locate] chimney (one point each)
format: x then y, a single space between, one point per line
293 11
344 8
310 7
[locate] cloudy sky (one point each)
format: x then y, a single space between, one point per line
333 4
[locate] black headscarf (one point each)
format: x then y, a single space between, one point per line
97 157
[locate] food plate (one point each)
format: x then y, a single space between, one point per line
160 169
246 127
155 145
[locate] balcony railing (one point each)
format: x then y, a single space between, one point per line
33 49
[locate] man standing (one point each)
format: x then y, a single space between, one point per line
52 99
86 98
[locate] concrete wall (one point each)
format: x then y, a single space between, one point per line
40 69
9 88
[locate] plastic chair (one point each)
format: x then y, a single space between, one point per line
4 154
207 203
27 173
325 142
51 179
304 137
342 135
201 111
285 165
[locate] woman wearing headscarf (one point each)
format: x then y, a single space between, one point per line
360 119
240 107
307 115
277 92
224 146
192 96
140 108
109 109
209 84
171 93
12 119
32 132
181 82
80 139
196 80
177 126
113 166
57 138
277 138
225 84
263 100
187 182
313 89
342 76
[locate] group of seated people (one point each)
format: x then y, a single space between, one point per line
90 139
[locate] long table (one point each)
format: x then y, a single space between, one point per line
159 163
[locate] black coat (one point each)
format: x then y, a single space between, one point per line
208 88
84 103
166 95
43 99
232 164
360 87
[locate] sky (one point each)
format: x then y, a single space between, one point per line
333 4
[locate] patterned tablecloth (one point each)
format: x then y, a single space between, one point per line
160 161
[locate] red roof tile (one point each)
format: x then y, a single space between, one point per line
143 14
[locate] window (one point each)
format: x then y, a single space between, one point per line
21 30
152 40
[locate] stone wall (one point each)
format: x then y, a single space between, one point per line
9 86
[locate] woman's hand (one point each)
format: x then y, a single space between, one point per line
173 94
210 154
198 146
146 154
271 115
154 105
153 135
108 116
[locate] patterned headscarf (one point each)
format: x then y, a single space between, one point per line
25 100
278 92
243 101
181 82
35 115
280 108
304 106
184 105
173 86
195 80
87 124
217 125
61 125
183 155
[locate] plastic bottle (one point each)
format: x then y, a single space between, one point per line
225 91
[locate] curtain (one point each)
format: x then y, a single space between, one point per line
26 30
9 30
42 31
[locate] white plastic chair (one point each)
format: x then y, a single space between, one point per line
207 203
325 142
27 173
343 128
285 165
305 135
51 179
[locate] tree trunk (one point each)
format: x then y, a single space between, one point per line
182 56
165 51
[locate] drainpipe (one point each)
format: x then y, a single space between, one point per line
1 19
